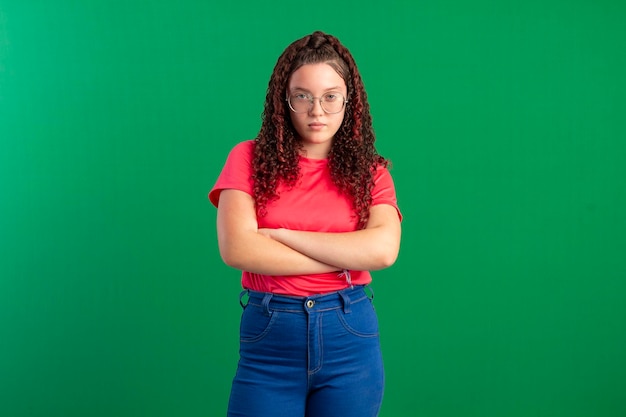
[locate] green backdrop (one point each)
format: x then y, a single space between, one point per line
505 122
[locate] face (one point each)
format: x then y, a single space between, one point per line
316 128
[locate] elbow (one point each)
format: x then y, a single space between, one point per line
385 247
237 250
234 262
229 260
388 260
385 259
230 256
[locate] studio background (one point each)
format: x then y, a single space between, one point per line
505 124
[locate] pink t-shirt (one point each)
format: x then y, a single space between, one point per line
313 204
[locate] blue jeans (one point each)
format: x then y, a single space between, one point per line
316 356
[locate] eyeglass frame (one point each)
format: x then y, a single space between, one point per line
311 98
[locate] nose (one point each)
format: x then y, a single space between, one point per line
316 107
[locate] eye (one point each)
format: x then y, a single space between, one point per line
301 96
330 97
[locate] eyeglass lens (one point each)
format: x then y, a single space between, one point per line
330 102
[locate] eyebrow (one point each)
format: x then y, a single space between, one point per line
308 91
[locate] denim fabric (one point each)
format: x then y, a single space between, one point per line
316 356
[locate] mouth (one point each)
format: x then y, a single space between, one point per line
316 126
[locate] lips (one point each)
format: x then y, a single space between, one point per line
316 126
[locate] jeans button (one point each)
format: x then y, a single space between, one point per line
310 303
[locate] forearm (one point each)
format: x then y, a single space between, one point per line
375 247
353 250
259 254
243 247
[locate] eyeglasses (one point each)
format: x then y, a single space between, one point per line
331 102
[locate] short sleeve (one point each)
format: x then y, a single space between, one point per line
236 173
384 191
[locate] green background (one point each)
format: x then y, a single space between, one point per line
505 122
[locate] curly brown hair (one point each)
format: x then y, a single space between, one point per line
352 159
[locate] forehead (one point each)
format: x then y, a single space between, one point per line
316 77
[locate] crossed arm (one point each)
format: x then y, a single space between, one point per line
290 252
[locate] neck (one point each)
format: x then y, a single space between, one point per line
315 151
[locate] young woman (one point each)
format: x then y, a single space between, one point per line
305 211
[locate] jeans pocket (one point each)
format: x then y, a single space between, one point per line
361 321
255 323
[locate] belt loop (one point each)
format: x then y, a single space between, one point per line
241 294
371 292
266 303
346 302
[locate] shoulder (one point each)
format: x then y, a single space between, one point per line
382 173
245 149
236 172
384 191
240 157
242 154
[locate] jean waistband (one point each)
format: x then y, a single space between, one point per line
319 302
